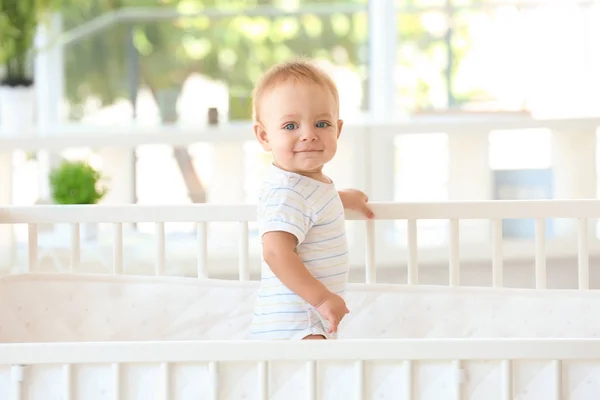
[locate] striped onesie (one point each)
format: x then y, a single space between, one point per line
313 212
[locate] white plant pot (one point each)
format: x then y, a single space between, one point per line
17 110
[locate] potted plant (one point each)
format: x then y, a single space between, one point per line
76 182
19 20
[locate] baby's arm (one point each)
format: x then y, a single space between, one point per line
278 252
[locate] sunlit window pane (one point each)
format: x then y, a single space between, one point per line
498 57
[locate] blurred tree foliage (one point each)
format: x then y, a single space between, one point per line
425 41
235 49
232 49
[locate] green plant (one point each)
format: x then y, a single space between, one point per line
76 182
19 20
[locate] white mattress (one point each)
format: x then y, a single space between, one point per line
55 308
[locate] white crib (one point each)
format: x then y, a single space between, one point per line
536 365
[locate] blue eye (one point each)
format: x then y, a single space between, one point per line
289 126
322 124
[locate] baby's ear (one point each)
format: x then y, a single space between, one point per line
261 136
339 127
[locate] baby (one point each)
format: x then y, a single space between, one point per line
300 212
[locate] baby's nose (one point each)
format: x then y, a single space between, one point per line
309 134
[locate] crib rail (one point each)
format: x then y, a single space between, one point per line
131 213
495 211
166 355
348 349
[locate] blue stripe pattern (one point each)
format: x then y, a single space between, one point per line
290 294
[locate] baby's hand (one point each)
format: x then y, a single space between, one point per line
333 309
356 200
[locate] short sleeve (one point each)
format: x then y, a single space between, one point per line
284 209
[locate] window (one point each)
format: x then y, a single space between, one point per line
498 57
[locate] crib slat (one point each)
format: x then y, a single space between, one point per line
160 249
68 381
540 254
213 375
497 260
408 380
454 254
17 391
359 380
370 273
507 391
117 248
459 379
165 381
202 240
557 368
413 260
75 247
244 252
116 377
311 380
263 381
16 376
32 247
583 254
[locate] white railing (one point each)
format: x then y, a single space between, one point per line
64 136
365 160
366 157
495 211
355 355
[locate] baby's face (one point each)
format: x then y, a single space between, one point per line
299 125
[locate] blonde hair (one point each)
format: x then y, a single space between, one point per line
297 70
